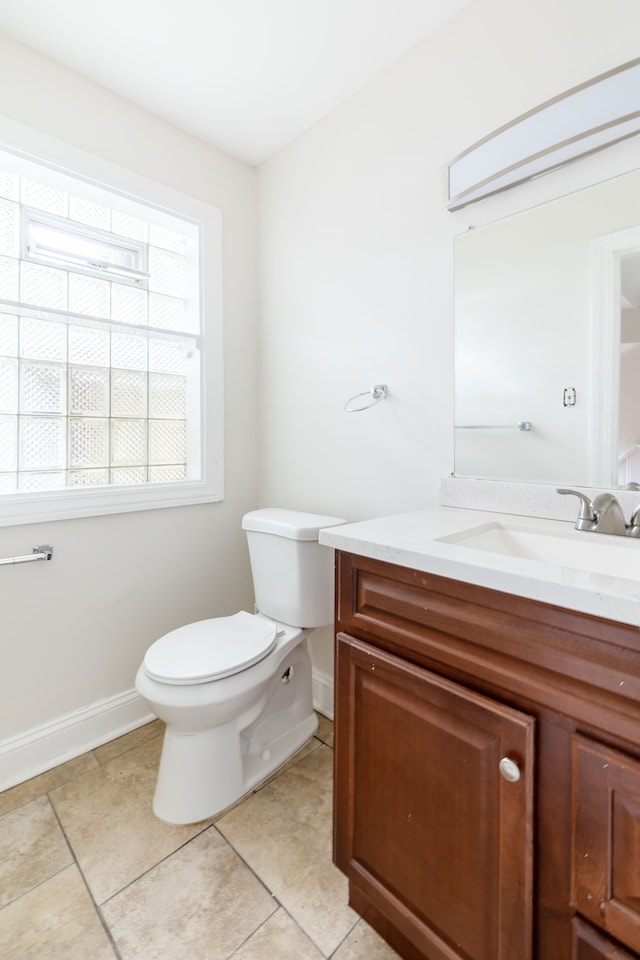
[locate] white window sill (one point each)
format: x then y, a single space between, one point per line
65 505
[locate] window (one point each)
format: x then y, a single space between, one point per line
102 333
61 243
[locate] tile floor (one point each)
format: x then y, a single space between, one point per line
88 873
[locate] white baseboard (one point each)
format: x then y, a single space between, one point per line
323 694
44 747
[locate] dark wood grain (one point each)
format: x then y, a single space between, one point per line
434 680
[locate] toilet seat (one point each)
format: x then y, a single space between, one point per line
210 649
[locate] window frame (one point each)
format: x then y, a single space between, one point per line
27 146
123 274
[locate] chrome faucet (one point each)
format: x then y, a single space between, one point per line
633 530
604 514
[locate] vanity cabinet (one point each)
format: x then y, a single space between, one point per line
436 837
487 769
588 944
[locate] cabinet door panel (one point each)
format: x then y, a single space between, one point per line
426 826
588 944
606 848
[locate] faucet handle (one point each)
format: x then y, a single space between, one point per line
586 515
633 530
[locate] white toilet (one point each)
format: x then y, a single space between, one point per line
235 692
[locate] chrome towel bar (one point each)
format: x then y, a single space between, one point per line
42 552
523 425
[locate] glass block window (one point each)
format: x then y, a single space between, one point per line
100 338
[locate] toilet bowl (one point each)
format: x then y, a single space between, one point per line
236 692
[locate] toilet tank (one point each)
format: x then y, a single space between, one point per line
292 573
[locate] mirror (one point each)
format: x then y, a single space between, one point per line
547 342
628 452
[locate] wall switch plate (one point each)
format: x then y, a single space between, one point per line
569 399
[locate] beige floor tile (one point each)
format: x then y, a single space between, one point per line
325 730
108 819
200 902
44 782
32 849
55 921
115 748
363 943
284 834
280 938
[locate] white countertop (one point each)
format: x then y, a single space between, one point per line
412 540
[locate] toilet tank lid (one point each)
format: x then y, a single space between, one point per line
288 523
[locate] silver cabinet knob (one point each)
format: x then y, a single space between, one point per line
509 769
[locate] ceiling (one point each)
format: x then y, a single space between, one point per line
247 76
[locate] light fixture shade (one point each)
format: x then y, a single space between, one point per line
580 121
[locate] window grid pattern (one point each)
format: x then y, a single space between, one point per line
84 402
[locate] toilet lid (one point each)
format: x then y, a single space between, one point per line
210 649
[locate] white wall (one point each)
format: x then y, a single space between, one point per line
74 630
356 288
357 255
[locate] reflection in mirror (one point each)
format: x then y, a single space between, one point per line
546 336
629 396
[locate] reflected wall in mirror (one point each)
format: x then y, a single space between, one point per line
628 452
547 336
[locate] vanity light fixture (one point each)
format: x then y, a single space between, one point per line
584 119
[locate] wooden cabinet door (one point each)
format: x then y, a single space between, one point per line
588 944
425 824
606 845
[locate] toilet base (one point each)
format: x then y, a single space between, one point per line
203 772
215 788
260 766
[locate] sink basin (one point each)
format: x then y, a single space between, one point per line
593 552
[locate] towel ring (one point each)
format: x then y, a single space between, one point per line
377 392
